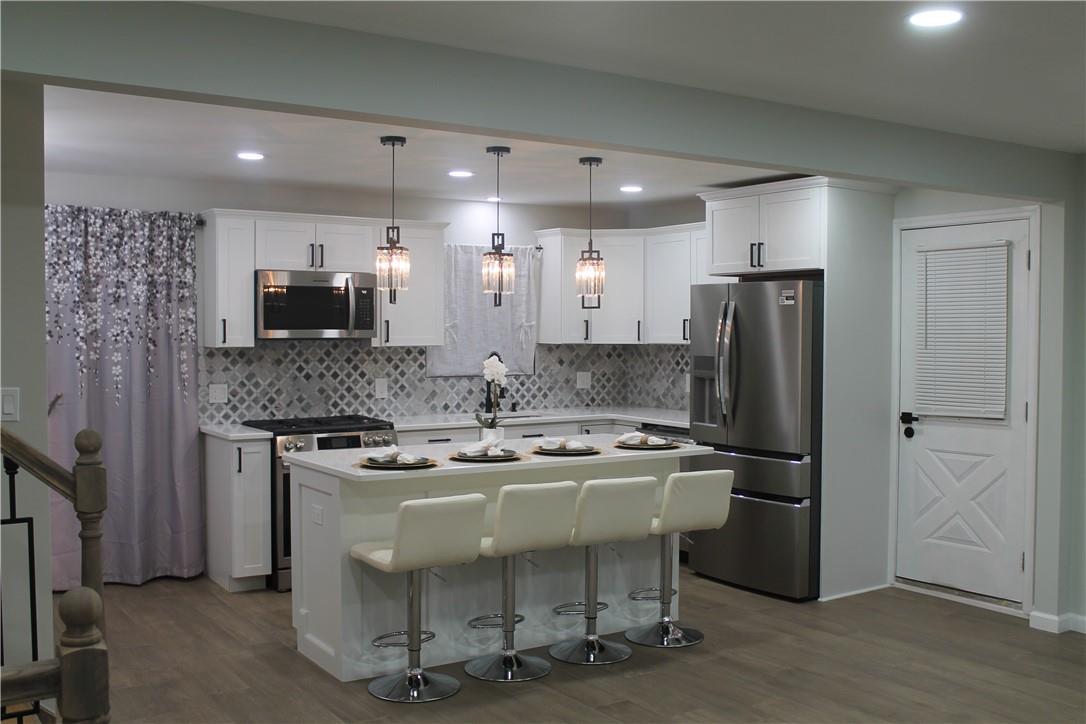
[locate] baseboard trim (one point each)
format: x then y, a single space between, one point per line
951 595
1057 624
846 594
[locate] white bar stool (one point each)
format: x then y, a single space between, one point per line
608 511
528 518
429 532
692 501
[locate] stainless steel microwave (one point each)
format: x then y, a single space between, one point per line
315 305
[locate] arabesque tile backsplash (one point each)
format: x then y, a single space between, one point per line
294 378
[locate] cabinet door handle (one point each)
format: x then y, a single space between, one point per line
386 331
752 264
639 330
224 330
686 330
312 256
534 434
439 439
322 256
761 248
586 330
239 459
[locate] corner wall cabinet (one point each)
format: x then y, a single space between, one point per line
773 227
647 293
235 243
237 475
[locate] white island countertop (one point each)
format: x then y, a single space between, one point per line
633 415
343 463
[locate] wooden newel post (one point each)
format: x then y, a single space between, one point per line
84 661
90 503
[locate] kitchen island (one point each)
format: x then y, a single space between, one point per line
340 605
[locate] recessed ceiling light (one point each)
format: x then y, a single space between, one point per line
492 199
935 18
250 156
630 189
461 174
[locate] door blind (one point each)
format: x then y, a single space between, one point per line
961 330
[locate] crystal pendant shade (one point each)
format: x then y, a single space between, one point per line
590 274
393 268
499 273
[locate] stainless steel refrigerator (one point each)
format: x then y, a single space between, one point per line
756 396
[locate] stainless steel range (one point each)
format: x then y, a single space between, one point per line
339 432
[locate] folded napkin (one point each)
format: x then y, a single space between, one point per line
655 441
389 455
552 443
407 458
576 445
631 438
483 447
495 451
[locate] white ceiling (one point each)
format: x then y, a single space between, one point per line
1013 71
107 133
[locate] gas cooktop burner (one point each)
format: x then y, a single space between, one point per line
307 425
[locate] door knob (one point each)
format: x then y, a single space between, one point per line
909 432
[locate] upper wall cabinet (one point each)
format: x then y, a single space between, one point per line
621 316
226 269
767 228
418 316
283 243
668 270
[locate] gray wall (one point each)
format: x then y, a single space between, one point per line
344 73
22 355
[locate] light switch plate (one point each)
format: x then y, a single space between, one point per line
584 380
9 404
218 393
380 387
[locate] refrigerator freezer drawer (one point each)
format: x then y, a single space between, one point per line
769 476
765 545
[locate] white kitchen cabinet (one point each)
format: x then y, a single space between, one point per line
286 244
767 228
535 429
238 498
610 428
417 318
701 255
438 435
225 265
620 318
346 247
562 319
667 288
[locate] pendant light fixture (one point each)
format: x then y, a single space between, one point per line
590 269
499 269
393 260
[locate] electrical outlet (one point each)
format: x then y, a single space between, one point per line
380 387
218 393
584 380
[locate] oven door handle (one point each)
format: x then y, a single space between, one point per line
352 303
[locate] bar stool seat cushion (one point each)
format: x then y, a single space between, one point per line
532 517
617 509
429 532
694 501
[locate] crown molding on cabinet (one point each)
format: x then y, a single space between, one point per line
318 218
796 184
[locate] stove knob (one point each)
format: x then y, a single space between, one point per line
289 445
300 445
386 439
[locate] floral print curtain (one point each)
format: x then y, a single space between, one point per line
121 355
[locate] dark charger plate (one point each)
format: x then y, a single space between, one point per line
562 451
393 465
507 456
625 446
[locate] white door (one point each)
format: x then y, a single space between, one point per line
346 247
575 318
965 361
418 317
620 318
667 288
733 224
251 509
232 325
791 228
285 244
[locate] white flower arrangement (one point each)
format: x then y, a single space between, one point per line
494 372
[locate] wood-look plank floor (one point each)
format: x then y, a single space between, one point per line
186 651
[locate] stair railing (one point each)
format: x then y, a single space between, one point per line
79 675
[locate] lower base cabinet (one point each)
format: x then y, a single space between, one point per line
238 507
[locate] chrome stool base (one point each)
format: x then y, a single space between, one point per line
414 687
590 650
664 635
507 667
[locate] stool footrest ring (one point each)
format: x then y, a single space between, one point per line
383 643
577 608
648 594
492 620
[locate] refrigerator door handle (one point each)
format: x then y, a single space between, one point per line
721 395
724 379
